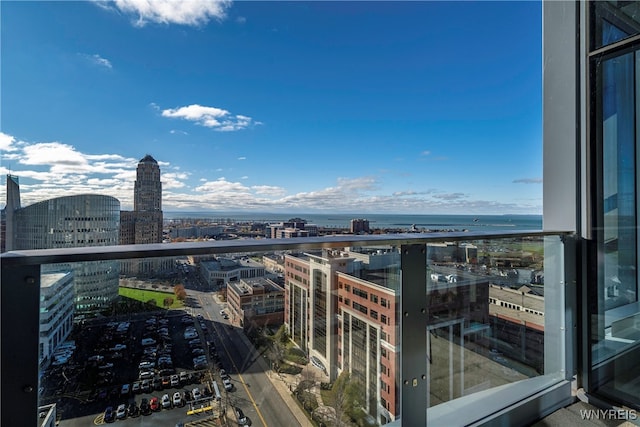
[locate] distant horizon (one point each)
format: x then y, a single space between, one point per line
377 221
354 214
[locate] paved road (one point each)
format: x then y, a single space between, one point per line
253 391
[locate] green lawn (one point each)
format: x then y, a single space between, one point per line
145 295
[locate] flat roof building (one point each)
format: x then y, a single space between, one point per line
255 302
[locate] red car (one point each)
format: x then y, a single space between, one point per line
154 404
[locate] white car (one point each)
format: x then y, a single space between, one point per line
175 381
146 365
177 399
196 393
227 384
121 412
166 402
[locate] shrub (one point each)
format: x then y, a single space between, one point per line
296 355
285 368
308 400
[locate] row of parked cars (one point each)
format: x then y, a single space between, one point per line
154 404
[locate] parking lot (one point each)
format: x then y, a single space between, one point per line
130 365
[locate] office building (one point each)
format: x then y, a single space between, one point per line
56 311
255 303
144 223
359 225
295 227
66 222
219 272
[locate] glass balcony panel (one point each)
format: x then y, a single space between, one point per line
492 336
314 329
340 351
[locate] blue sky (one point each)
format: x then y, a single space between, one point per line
363 107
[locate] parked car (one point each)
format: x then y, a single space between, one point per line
177 399
166 401
121 412
166 382
154 404
242 419
133 410
124 391
146 365
145 375
227 384
109 415
145 408
196 393
135 388
145 386
175 381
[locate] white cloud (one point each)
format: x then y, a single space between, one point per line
52 153
425 153
7 142
269 190
242 158
98 60
188 12
528 181
241 20
212 117
52 169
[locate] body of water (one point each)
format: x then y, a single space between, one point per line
432 222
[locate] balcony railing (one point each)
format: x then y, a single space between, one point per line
442 328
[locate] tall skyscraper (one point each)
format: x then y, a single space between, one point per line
7 237
148 188
144 224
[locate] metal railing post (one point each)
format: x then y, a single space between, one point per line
19 341
413 329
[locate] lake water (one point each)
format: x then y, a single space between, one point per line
433 222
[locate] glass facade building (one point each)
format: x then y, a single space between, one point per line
75 221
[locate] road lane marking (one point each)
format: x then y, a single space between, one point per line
255 405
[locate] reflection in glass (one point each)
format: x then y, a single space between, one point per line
615 310
614 21
486 315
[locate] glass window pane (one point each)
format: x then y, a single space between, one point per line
614 21
615 313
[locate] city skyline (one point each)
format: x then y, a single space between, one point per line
364 107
